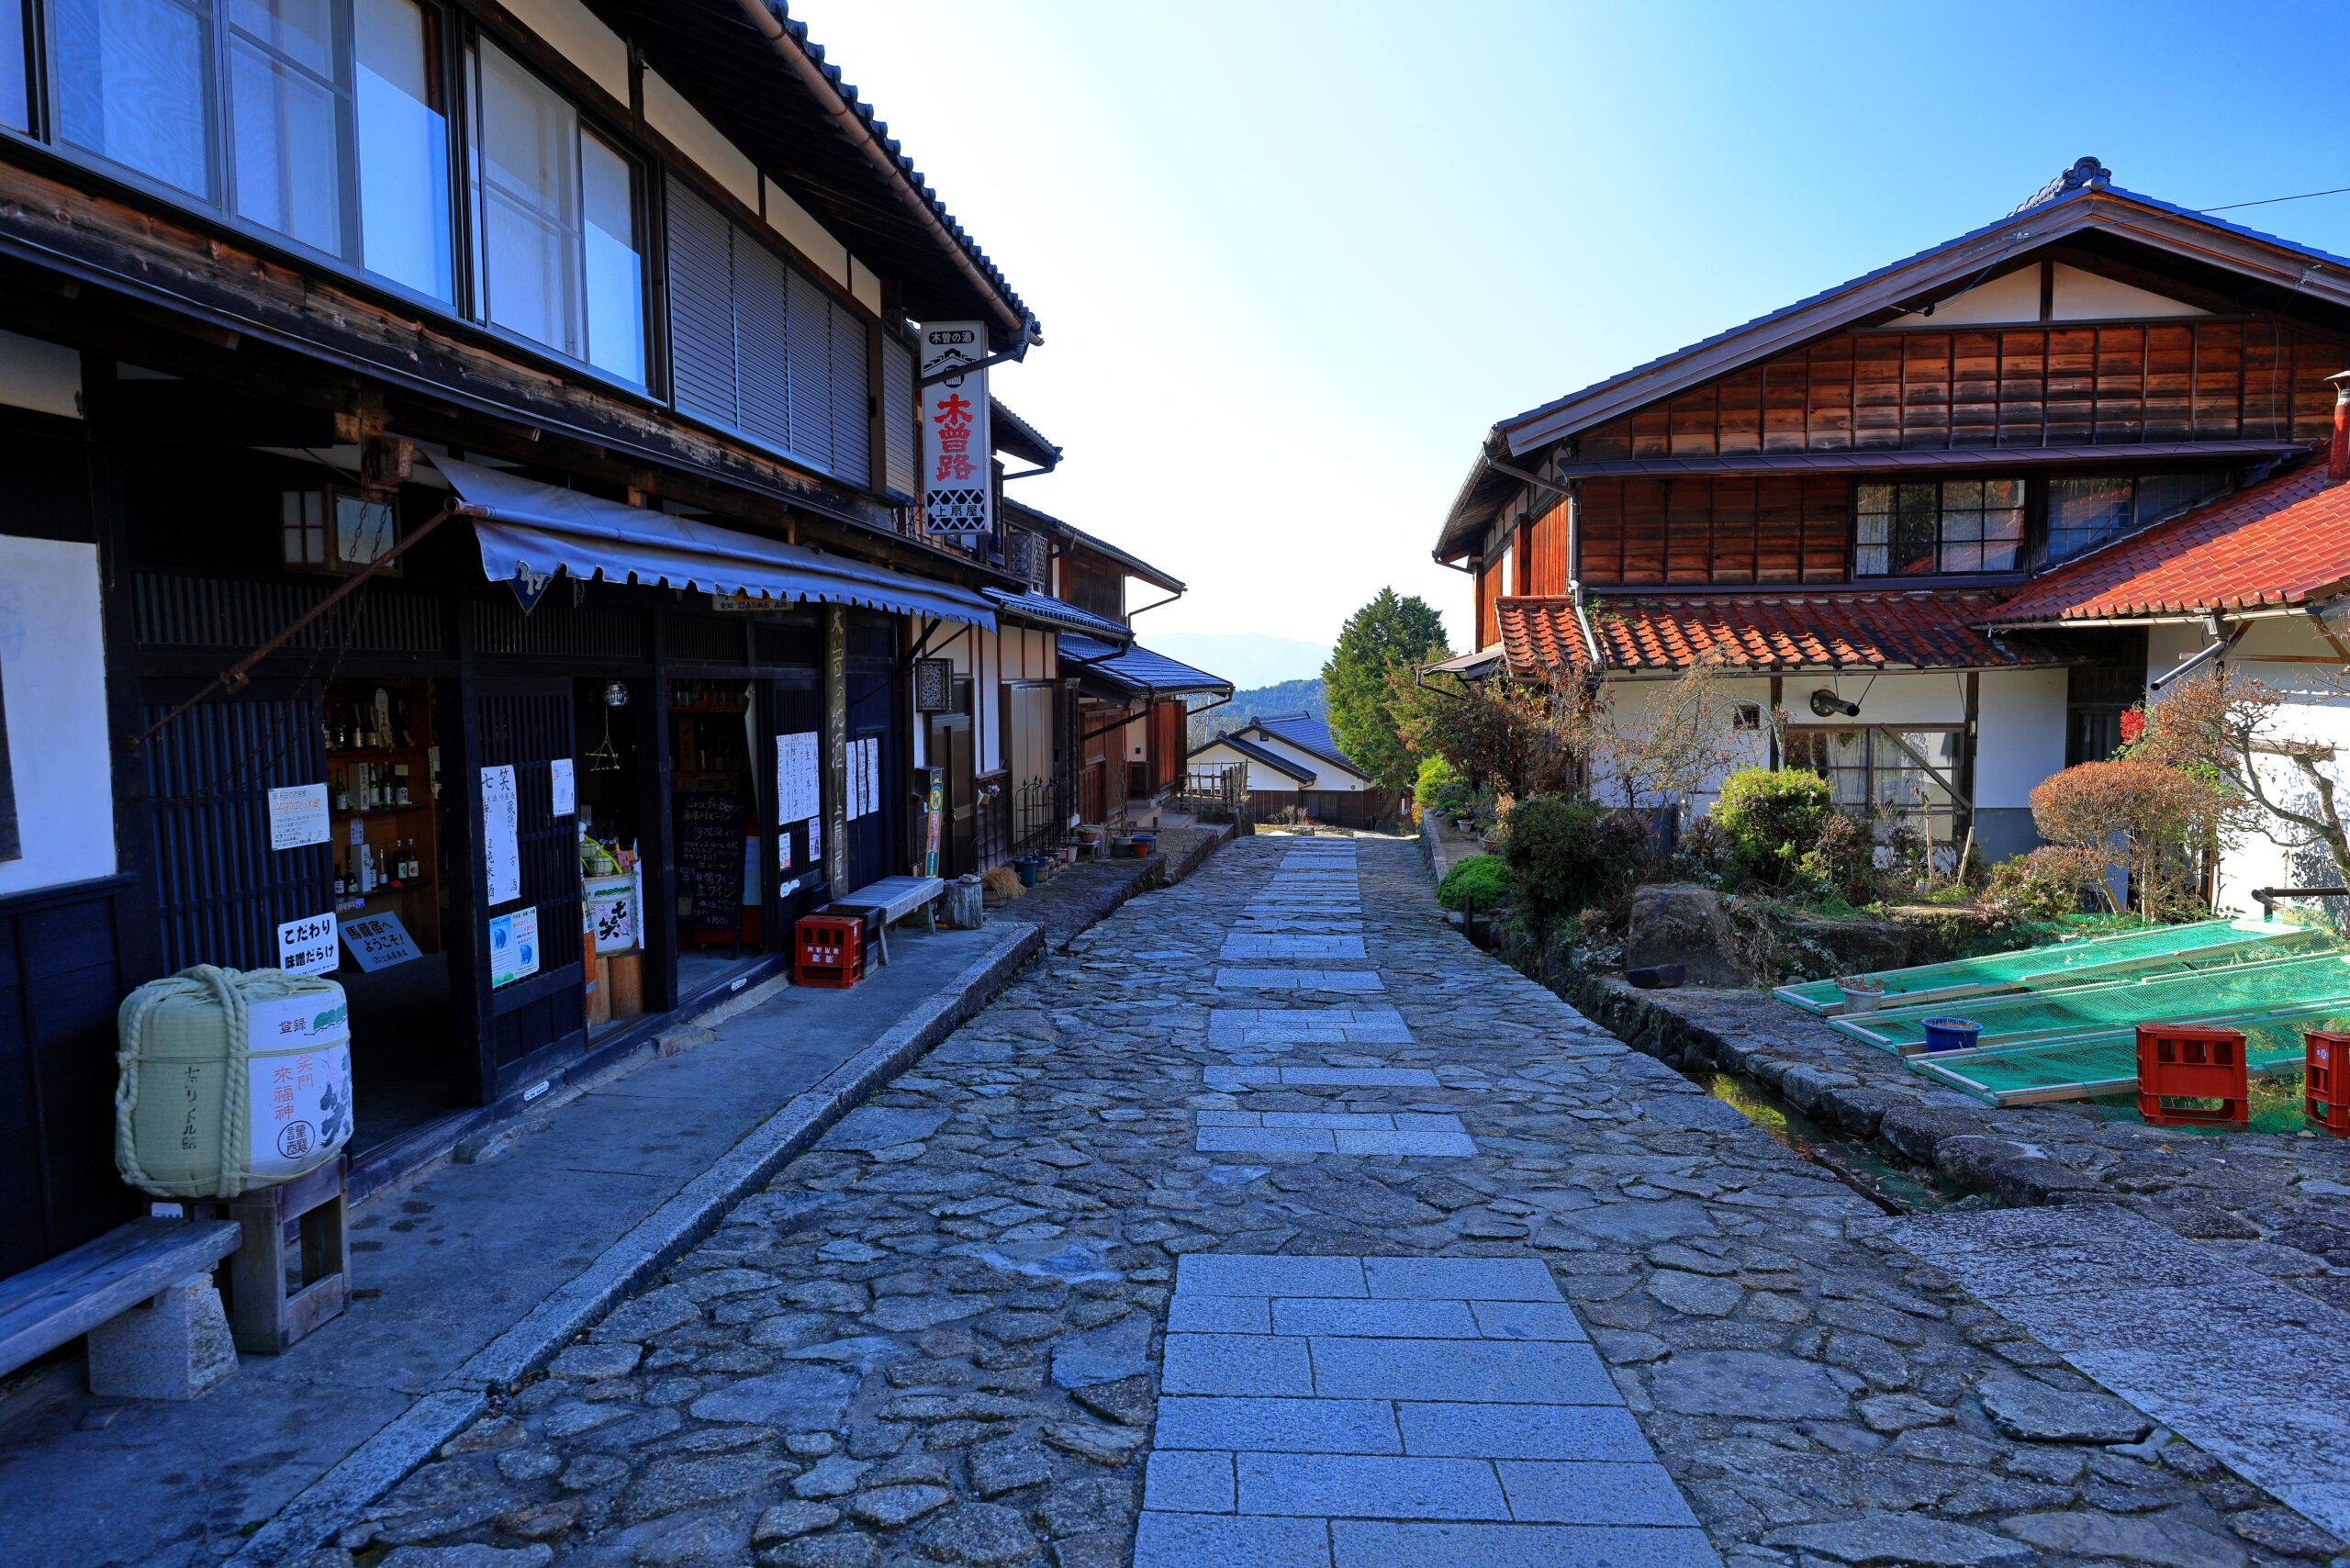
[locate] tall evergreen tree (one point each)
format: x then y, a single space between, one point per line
1391 633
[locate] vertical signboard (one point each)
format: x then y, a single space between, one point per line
832 852
959 493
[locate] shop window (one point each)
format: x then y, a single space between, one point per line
2086 510
15 96
326 530
135 85
1931 527
556 213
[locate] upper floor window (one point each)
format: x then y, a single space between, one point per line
15 92
1929 527
556 232
320 120
2085 510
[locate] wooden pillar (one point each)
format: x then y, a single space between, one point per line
836 748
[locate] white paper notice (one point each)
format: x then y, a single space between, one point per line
798 796
816 843
297 815
307 945
378 941
559 786
501 847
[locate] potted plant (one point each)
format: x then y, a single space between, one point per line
1863 993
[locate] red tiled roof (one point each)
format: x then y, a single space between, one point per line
2283 541
1797 629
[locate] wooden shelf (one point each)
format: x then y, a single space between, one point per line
409 810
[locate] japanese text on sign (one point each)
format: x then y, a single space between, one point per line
306 946
297 815
958 497
378 941
501 848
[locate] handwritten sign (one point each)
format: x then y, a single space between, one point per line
501 833
797 792
513 947
611 910
564 796
378 941
306 946
710 860
297 815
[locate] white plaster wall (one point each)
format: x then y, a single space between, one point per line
1324 776
1259 775
2317 709
1631 704
666 111
53 676
2020 738
569 28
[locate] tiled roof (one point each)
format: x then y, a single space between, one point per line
1795 629
1308 734
1265 755
1135 671
1043 610
2283 541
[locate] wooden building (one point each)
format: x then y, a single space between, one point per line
1295 766
1835 500
579 337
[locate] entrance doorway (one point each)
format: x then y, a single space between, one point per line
716 819
950 748
610 796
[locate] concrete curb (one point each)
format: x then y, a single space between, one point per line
336 1498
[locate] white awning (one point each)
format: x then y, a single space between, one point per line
532 531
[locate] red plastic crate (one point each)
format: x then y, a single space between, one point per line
2179 1063
2325 1080
827 949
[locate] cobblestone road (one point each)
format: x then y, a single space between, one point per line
1278 1227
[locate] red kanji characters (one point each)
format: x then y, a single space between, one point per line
954 422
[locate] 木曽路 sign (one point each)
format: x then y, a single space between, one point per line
959 490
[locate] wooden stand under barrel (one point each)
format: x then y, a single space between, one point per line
271 1306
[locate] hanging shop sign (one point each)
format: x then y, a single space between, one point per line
378 941
501 834
933 686
934 813
513 947
958 492
306 946
297 815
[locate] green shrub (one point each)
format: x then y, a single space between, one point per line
2048 883
1842 861
1772 817
1434 776
1480 883
1567 853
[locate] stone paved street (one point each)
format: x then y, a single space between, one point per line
1271 1256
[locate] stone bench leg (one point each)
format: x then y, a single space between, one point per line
175 1346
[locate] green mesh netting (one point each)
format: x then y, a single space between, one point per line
2105 1067
2040 969
2280 985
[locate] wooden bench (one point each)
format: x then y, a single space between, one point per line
895 898
72 1295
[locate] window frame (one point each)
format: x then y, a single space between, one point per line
1942 542
1870 806
2135 478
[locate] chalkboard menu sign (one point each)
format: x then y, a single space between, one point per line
709 860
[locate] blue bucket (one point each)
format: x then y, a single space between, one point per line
1951 1033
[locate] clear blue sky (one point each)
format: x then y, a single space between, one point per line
1294 259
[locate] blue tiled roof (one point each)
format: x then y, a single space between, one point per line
1047 610
1308 734
1137 671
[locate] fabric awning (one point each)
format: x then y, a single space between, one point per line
1135 671
532 531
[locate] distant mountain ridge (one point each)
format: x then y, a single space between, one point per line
1284 697
1245 658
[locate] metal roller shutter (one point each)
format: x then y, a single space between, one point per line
701 307
852 406
812 378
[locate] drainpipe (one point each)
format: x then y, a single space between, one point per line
845 119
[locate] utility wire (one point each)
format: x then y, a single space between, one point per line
2272 201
